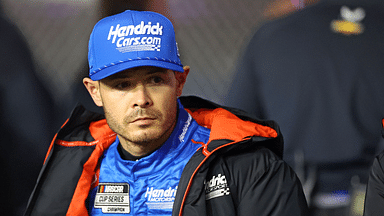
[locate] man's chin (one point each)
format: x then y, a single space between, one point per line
144 137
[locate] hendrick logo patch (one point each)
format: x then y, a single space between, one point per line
216 187
160 198
113 198
142 37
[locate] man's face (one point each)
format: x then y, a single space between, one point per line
140 104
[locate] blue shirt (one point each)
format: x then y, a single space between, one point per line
147 186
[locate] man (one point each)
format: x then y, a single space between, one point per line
152 144
374 202
319 73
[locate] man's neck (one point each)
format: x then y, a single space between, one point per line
128 156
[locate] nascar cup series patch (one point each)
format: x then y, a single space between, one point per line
113 198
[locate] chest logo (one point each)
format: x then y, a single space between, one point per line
159 198
113 198
216 187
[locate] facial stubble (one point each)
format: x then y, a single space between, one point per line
145 138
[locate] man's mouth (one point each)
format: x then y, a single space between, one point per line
143 119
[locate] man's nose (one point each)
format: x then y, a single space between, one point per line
141 98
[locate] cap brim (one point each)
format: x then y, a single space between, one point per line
113 69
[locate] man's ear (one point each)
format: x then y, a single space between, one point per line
181 79
93 88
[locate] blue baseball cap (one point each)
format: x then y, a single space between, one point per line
132 39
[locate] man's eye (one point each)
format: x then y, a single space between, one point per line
156 79
122 85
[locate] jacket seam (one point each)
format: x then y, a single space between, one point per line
81 143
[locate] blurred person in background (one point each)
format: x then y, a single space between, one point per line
319 73
26 118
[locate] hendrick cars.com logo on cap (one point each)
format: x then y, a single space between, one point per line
142 37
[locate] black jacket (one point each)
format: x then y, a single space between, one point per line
259 181
374 201
374 196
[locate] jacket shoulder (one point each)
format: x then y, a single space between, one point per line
262 175
70 165
255 163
